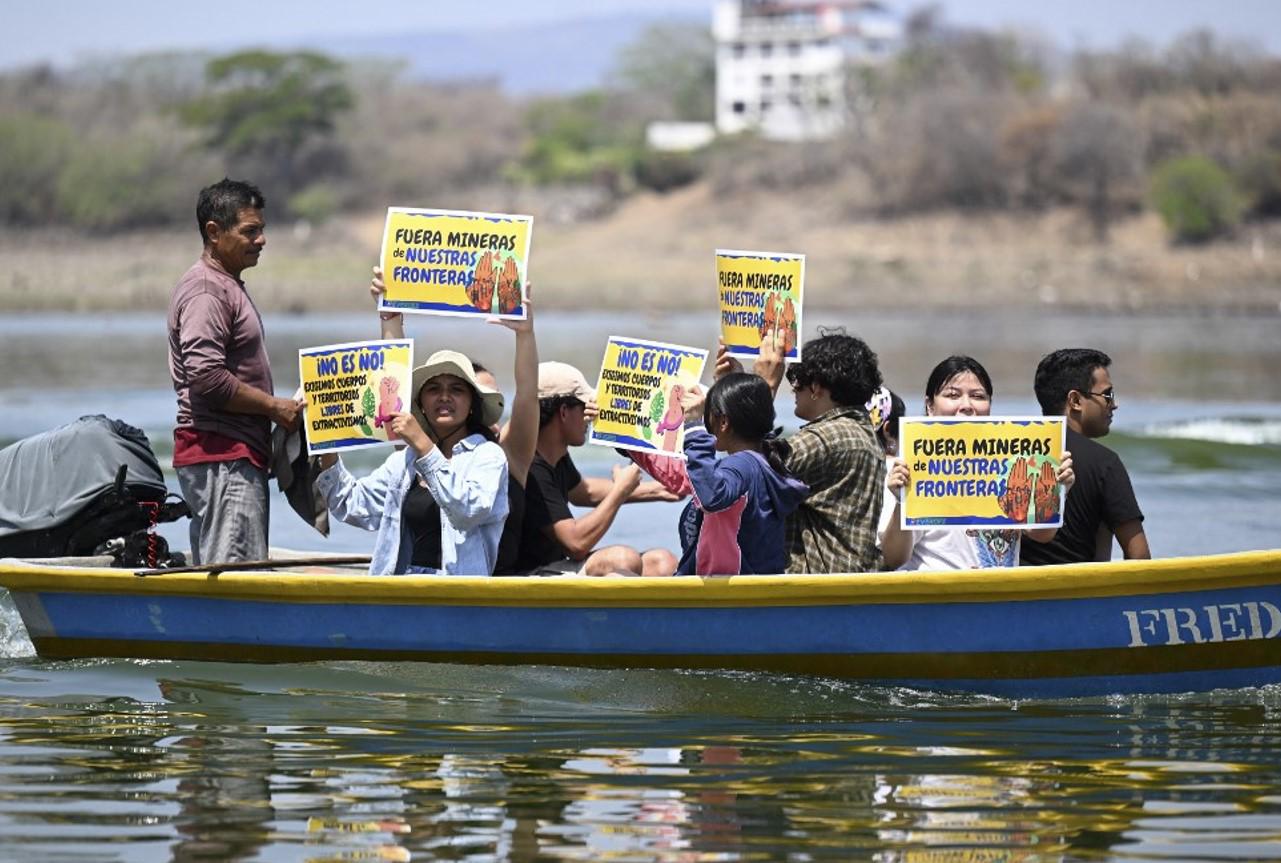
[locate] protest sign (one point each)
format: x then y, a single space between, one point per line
760 296
639 395
351 389
989 472
448 262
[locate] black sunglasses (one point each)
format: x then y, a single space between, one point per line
1108 395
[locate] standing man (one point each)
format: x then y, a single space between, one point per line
1075 383
553 540
218 362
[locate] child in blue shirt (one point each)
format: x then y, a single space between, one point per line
734 524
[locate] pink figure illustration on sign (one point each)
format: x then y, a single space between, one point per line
670 426
388 403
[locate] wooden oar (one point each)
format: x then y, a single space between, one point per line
215 568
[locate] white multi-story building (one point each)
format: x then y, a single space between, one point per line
780 65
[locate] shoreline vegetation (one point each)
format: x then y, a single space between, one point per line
657 250
976 169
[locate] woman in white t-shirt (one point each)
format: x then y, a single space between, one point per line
958 386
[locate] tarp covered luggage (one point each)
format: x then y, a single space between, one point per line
90 487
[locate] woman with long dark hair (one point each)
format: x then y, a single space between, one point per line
438 505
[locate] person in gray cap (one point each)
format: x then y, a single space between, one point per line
553 541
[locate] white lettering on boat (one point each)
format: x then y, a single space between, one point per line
1236 621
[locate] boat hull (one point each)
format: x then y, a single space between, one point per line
1174 625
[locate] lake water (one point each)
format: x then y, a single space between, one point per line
130 760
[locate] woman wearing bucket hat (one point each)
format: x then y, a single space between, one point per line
519 436
438 505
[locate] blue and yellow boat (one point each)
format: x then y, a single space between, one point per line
1170 625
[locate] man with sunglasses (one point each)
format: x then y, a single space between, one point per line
1075 383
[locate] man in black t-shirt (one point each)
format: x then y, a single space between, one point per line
1075 383
552 539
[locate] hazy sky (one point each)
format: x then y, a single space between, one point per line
62 30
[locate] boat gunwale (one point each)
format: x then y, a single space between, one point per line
1074 581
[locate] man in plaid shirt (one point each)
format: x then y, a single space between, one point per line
836 453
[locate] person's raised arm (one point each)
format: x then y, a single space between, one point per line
520 436
391 324
770 364
725 364
717 486
668 472
578 536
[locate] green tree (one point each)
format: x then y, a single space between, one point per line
1196 199
269 108
32 152
127 182
585 138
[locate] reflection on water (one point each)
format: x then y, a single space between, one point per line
368 761
116 760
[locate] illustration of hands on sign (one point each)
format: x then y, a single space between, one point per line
1018 492
778 323
509 288
1027 485
480 292
1048 483
498 277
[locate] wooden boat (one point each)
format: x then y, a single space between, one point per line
1171 625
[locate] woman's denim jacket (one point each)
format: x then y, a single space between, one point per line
471 488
